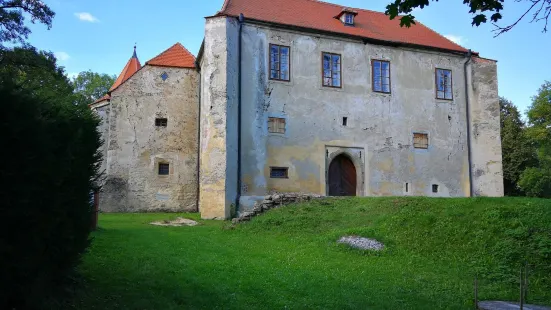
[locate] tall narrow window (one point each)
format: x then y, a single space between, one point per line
444 84
276 125
381 76
420 140
279 62
331 70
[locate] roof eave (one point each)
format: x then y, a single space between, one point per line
365 40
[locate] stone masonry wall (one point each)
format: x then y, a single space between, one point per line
136 146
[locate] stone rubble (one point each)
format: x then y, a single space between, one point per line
362 243
180 221
274 201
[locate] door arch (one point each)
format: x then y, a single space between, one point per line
342 177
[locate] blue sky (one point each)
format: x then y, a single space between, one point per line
100 34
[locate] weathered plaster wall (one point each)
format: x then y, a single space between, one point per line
136 146
485 129
218 130
380 126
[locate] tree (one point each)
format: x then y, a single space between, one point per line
93 85
518 152
537 181
12 18
482 10
47 171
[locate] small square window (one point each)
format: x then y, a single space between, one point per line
276 125
349 19
279 172
164 76
161 122
164 169
420 140
435 188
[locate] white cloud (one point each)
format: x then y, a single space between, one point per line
457 39
86 17
62 56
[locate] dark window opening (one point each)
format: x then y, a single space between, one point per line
444 84
380 70
407 187
331 70
280 62
345 121
161 122
164 169
435 188
279 172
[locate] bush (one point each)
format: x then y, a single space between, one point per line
48 163
536 182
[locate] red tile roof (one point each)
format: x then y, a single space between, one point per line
106 97
132 66
176 56
320 15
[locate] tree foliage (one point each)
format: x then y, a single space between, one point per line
483 11
12 18
537 181
517 150
93 85
47 170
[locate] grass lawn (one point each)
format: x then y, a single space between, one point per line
288 257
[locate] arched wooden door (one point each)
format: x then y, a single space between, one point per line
342 177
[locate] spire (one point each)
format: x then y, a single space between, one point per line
132 66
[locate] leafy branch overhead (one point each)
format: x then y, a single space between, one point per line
483 11
12 18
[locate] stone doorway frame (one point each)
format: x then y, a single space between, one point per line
357 156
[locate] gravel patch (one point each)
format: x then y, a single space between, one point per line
362 243
180 221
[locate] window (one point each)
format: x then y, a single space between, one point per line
420 140
331 70
345 121
164 76
381 76
407 187
164 169
279 62
349 18
435 188
279 172
444 84
276 125
161 122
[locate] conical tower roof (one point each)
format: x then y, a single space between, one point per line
132 66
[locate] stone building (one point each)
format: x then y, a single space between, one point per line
303 96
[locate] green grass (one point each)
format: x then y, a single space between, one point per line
288 257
